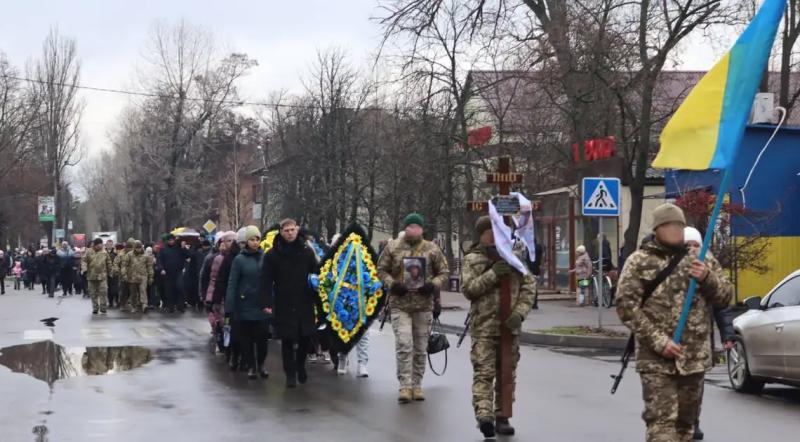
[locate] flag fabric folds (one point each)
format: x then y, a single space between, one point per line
707 128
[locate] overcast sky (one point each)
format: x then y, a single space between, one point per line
282 35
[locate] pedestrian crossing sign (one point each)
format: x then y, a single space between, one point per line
601 196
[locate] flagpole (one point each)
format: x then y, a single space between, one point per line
712 223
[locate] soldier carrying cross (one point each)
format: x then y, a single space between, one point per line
501 298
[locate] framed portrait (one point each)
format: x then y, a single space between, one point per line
414 272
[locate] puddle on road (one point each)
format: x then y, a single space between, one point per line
49 362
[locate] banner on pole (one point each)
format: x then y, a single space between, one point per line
47 208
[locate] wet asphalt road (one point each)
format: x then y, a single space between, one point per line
183 392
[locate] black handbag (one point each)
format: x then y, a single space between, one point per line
437 343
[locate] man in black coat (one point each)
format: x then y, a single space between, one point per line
49 269
171 260
285 269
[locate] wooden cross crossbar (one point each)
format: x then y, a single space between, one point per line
503 178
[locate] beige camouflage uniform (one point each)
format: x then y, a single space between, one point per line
481 286
97 266
411 313
672 388
121 264
140 275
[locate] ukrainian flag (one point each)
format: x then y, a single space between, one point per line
707 128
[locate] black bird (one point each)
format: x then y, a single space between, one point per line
50 322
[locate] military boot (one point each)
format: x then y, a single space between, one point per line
486 426
405 396
502 426
418 394
698 433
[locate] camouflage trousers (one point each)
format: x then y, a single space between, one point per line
137 295
671 405
486 385
411 332
98 291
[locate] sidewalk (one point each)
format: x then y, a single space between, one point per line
551 313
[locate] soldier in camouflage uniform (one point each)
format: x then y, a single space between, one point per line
412 310
140 275
121 265
672 374
96 264
480 278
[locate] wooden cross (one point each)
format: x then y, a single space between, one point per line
503 178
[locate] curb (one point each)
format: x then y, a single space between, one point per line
533 338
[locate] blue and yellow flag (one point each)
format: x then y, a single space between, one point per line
707 128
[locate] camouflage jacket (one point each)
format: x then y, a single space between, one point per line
140 268
390 269
96 265
121 264
481 285
654 323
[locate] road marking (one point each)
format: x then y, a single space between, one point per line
37 335
96 333
150 332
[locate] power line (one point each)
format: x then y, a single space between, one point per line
193 99
151 94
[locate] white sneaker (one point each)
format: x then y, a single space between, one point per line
312 358
362 371
342 370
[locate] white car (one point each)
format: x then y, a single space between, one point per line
767 345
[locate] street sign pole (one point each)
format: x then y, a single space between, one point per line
601 198
599 279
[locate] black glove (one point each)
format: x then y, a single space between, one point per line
398 289
428 289
437 310
209 308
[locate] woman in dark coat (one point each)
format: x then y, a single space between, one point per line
285 270
49 268
246 303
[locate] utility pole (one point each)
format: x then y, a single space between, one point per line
235 183
265 157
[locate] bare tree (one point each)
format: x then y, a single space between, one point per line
56 77
198 86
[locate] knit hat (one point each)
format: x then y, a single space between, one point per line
137 244
414 218
692 234
97 241
581 249
241 235
483 224
251 231
130 243
226 236
667 213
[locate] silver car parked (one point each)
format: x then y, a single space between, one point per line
767 346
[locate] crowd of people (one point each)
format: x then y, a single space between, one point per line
52 268
251 295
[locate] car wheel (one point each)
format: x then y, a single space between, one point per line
739 370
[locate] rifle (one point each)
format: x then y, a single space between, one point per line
386 315
463 333
626 357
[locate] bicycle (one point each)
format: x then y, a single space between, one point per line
607 292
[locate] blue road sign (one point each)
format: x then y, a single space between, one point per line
601 196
